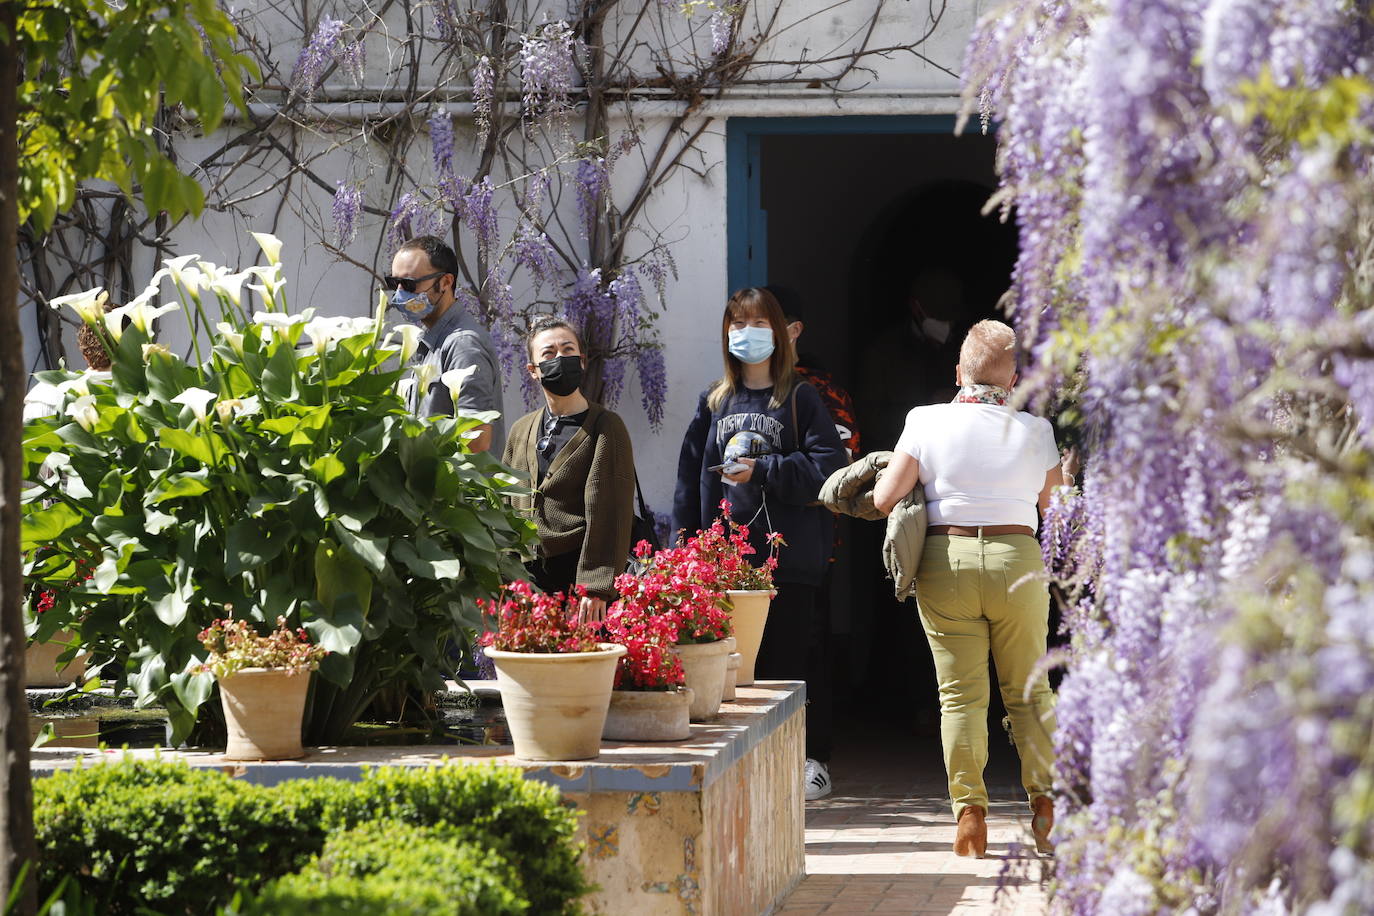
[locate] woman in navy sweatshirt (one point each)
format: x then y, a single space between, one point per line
762 440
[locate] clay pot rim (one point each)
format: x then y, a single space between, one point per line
770 592
261 672
679 690
613 649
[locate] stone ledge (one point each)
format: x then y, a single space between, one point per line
669 766
708 826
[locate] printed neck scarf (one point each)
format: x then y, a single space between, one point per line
982 394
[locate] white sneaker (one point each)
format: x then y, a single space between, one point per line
816 779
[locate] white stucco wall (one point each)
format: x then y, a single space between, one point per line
689 209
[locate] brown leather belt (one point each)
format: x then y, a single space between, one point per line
989 531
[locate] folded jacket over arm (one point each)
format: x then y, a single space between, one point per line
849 491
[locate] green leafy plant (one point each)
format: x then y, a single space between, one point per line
163 837
395 869
279 473
234 645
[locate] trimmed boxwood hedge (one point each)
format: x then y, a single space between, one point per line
396 869
172 839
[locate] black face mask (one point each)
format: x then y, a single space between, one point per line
562 375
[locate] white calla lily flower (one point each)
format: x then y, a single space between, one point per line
426 374
270 245
89 305
80 385
176 265
232 337
84 411
198 399
234 408
139 313
410 339
454 379
229 285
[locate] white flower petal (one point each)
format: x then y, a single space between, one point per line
198 399
270 245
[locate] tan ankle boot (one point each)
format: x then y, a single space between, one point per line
971 839
1042 822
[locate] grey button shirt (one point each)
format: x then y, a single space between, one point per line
455 342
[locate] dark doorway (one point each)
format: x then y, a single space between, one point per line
852 221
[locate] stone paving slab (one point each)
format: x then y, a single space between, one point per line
891 854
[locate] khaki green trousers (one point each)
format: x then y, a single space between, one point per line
981 595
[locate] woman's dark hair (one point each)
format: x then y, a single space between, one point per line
542 323
753 302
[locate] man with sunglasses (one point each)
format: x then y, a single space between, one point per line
421 283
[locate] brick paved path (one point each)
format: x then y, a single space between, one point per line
881 842
892 855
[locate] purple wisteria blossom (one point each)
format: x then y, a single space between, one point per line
1197 275
722 27
413 215
653 383
348 207
547 68
441 141
590 181
483 93
317 55
534 252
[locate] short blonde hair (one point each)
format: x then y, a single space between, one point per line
988 354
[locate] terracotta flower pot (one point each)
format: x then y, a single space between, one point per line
648 715
556 702
749 612
731 670
703 668
40 662
263 710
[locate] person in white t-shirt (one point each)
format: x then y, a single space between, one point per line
980 587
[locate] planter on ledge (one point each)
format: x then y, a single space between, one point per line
40 662
648 715
703 669
263 710
749 613
732 663
556 702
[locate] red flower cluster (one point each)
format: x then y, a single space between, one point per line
725 547
524 620
649 662
681 585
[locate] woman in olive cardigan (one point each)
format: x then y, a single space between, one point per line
581 465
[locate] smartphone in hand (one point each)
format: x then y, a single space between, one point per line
730 467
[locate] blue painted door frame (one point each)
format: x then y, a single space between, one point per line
746 220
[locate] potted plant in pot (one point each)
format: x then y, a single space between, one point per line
553 671
678 585
650 701
262 686
274 468
52 657
726 550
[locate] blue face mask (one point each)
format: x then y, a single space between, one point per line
751 345
414 306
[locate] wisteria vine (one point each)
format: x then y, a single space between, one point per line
1190 181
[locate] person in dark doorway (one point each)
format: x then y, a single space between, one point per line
579 460
762 440
980 584
911 363
836 400
423 273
